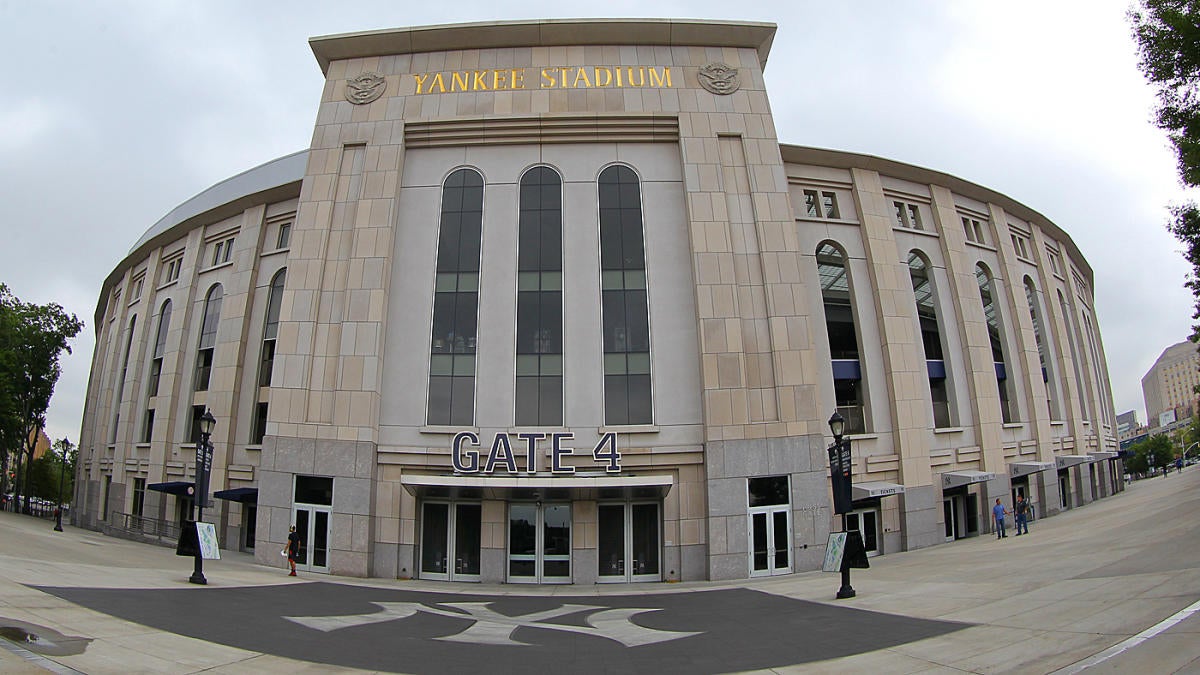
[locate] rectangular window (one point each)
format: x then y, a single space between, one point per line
260 424
137 288
222 252
1020 246
285 235
139 497
155 376
908 216
194 426
172 269
974 230
204 361
821 204
148 426
267 366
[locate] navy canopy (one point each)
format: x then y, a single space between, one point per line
179 488
246 495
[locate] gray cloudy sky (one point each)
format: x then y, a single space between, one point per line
113 113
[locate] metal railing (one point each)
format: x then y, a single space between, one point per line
149 527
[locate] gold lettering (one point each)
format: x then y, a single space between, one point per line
548 77
581 74
439 82
518 78
663 80
420 79
563 72
607 80
480 81
619 83
641 72
458 81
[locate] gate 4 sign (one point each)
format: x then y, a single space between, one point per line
467 458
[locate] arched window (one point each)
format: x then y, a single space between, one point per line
456 301
156 364
208 337
931 339
627 388
848 388
120 393
1043 347
1075 355
1098 375
539 300
266 364
991 312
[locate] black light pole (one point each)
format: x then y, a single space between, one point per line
62 470
203 464
837 426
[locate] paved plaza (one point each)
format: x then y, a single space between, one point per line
1110 587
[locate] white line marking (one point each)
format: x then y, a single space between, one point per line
1130 643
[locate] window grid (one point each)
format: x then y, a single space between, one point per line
628 396
456 300
908 215
821 204
974 230
539 369
222 252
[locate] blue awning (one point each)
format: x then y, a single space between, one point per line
179 488
245 495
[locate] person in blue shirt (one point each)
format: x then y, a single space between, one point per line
998 512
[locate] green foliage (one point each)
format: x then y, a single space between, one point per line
32 338
1168 41
1158 448
47 471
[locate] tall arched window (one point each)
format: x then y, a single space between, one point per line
627 389
991 312
156 364
120 390
931 339
848 388
456 301
1098 374
266 363
539 300
1075 355
208 337
1044 354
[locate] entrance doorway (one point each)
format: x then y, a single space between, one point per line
866 523
629 542
539 543
770 526
1064 487
952 511
450 537
312 522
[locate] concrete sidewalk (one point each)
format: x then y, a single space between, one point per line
1078 584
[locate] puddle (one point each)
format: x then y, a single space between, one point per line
41 640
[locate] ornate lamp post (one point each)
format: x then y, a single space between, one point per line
839 470
63 446
203 466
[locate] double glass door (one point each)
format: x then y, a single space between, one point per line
539 543
450 538
770 537
312 522
629 542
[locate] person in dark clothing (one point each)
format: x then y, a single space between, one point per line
293 549
1022 511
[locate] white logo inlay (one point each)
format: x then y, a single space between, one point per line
492 628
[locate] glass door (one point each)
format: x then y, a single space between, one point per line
312 522
629 542
770 534
952 512
450 537
539 543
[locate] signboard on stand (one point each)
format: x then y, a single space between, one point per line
206 533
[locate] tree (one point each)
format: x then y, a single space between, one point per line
32 338
1168 41
48 472
1157 451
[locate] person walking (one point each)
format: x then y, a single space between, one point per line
293 549
1022 510
998 512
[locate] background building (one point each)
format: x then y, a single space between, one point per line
548 302
1169 387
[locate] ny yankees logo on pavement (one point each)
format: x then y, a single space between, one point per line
489 627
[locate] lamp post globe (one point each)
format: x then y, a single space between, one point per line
837 426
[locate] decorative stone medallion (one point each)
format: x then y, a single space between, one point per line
719 78
365 88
